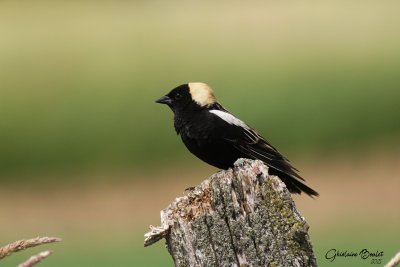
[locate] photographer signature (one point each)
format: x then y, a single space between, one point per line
364 254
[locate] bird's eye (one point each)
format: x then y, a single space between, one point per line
178 96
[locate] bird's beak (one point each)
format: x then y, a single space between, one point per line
164 100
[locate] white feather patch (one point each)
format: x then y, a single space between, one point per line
202 94
229 118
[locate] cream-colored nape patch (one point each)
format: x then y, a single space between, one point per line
202 94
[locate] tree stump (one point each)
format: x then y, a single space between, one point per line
238 217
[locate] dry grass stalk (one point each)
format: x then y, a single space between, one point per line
35 259
24 244
394 261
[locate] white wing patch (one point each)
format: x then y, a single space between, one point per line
229 118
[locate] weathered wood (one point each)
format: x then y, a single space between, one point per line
238 217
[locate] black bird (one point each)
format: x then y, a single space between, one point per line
217 137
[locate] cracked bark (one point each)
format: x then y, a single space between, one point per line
238 217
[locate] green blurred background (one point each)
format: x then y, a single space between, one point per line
86 155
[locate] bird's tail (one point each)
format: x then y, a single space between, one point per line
293 184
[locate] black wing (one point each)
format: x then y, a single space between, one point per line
254 146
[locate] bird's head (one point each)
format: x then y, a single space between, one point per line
191 95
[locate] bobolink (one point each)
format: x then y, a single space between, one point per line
217 137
